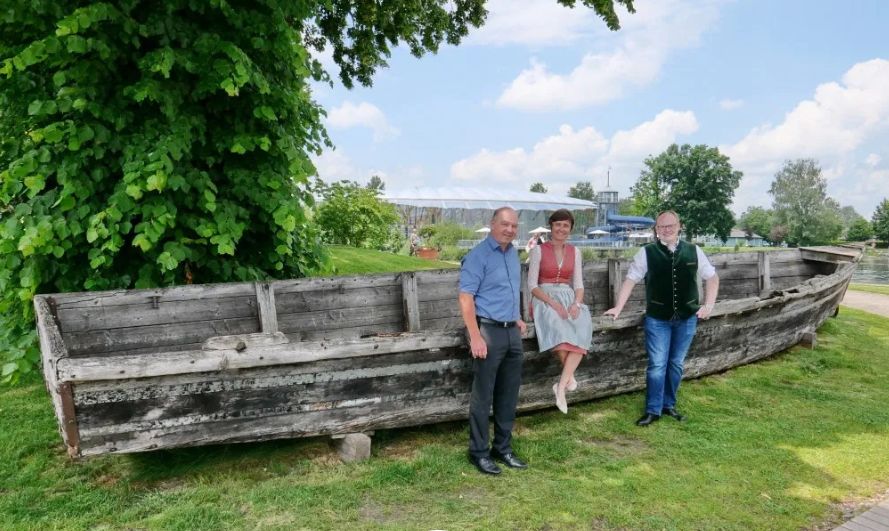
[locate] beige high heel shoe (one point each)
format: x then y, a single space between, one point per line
561 403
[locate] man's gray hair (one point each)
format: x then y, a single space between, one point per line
499 210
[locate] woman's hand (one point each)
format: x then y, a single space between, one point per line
574 310
555 305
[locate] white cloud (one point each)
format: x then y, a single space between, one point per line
730 104
532 22
335 165
363 114
563 159
830 127
650 138
643 45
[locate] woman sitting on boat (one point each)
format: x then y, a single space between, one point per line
561 319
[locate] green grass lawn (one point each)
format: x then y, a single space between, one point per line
786 443
871 288
354 261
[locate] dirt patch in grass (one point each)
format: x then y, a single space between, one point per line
598 415
403 449
371 511
619 446
107 480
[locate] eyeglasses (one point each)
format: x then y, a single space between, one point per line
670 226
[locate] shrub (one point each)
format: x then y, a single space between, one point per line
355 216
452 253
444 234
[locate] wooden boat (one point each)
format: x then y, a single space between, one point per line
138 370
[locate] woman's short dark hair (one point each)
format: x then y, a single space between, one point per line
561 215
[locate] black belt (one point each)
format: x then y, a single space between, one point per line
499 324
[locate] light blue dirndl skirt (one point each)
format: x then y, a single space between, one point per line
551 329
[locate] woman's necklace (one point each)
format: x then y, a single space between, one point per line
560 256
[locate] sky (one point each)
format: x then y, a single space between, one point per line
544 93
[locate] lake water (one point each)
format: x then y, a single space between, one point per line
873 269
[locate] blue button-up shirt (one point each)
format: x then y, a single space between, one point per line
492 276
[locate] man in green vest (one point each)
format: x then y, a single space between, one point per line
670 267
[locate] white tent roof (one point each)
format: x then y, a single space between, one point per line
483 198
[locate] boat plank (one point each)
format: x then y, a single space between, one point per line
336 283
91 342
332 320
104 317
146 365
334 299
139 296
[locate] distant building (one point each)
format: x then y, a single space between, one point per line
609 204
472 207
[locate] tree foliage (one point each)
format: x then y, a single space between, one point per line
848 216
155 143
538 188
582 190
353 215
146 144
698 182
801 204
860 230
880 221
440 235
627 207
376 183
756 220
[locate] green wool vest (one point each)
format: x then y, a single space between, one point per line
671 288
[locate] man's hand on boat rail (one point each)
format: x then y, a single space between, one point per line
613 312
704 311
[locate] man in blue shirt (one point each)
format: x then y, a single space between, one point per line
489 302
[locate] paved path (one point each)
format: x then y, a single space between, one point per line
869 302
877 518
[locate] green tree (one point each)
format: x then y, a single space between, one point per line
860 230
848 216
538 188
778 234
801 204
353 215
627 207
698 182
582 190
146 144
756 220
376 183
880 221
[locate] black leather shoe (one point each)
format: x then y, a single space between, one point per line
509 459
485 465
647 419
671 412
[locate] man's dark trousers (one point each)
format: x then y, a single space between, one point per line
496 381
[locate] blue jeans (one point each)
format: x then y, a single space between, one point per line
667 344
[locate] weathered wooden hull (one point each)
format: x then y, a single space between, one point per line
139 370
